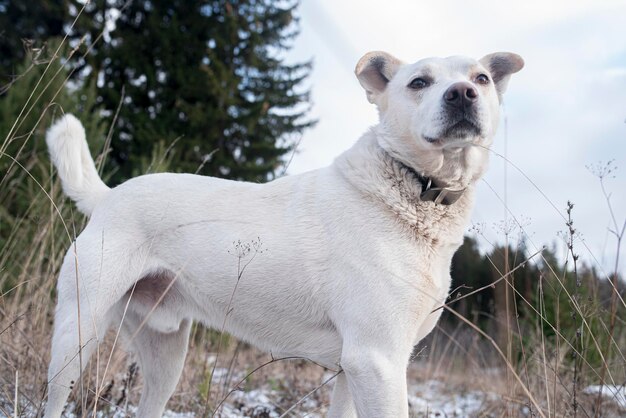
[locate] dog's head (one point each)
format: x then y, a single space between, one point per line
437 107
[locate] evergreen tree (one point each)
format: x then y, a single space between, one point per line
209 73
26 175
508 293
22 127
25 26
470 270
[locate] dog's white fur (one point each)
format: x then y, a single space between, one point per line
342 265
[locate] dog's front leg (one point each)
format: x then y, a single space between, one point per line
341 404
377 381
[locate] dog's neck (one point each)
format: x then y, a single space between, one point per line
431 191
454 168
377 174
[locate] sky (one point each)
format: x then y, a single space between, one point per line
565 111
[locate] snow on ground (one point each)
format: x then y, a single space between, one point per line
616 393
430 399
433 398
254 403
427 399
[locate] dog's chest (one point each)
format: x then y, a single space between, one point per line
434 233
435 226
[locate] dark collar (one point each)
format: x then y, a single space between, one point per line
430 191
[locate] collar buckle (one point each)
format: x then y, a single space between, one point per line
440 195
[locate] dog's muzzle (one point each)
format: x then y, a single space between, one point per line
463 128
460 107
460 104
460 115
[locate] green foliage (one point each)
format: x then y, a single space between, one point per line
208 73
26 111
549 303
204 84
470 271
577 306
204 80
25 26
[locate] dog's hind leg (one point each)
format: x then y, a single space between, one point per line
73 341
92 280
68 355
161 359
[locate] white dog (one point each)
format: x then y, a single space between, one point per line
342 265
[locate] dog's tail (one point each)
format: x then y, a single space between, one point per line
70 154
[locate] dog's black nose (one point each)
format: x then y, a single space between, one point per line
461 95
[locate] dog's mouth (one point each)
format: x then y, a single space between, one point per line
458 131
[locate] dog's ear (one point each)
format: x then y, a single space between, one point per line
374 71
501 65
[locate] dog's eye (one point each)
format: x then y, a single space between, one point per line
482 79
418 83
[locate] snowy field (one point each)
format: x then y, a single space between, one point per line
428 399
